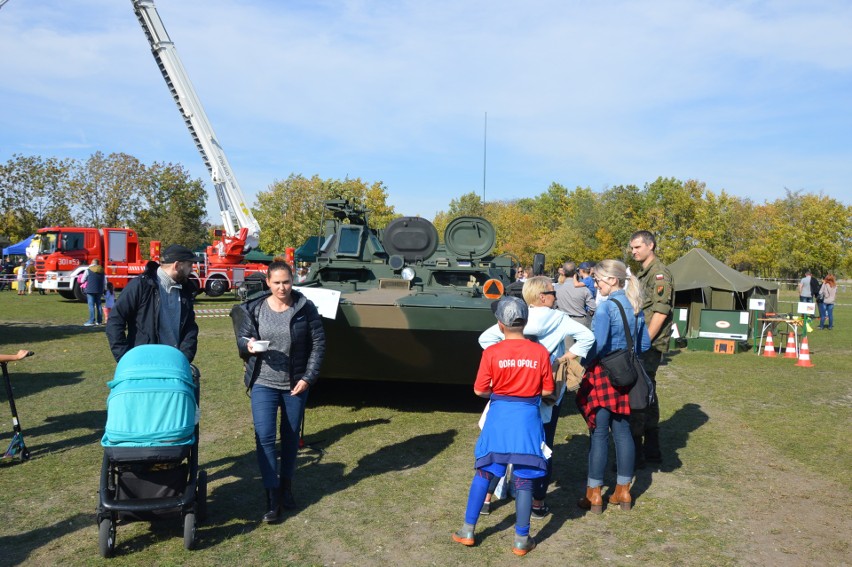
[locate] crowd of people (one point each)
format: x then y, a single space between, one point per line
824 293
546 330
583 316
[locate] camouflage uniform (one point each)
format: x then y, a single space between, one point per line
658 290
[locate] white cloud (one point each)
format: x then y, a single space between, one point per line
744 95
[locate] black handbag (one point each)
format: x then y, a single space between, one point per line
622 366
644 392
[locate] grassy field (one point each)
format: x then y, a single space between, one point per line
757 467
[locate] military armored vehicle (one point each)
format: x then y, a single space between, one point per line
410 307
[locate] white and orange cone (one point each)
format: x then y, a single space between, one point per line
768 347
790 351
805 354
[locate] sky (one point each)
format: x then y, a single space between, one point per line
750 97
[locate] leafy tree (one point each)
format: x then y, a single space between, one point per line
376 201
34 194
108 189
173 207
623 208
292 210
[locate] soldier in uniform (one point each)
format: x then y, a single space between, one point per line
658 289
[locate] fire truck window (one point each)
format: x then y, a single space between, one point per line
47 244
72 241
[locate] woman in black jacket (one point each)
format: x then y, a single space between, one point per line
279 374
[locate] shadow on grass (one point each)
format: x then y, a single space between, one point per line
232 509
17 548
674 435
238 501
570 469
34 335
399 396
25 384
568 481
93 420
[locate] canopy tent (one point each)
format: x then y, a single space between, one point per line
258 255
703 282
307 252
18 249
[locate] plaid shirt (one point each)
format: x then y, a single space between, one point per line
596 392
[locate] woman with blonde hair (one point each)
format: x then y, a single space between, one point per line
828 292
606 407
549 327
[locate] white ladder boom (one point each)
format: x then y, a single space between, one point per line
235 213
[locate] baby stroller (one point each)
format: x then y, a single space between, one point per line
150 465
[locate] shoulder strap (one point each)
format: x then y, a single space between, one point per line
627 332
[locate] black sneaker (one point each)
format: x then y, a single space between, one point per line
540 512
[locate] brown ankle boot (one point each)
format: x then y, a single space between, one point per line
592 500
622 497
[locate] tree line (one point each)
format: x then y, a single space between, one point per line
160 201
781 238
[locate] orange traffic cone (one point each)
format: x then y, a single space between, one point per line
805 354
790 351
768 347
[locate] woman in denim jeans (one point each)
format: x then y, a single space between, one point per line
279 375
604 406
828 292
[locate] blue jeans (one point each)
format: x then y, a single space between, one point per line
806 299
264 410
826 315
625 451
540 484
95 311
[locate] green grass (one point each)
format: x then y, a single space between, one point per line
757 466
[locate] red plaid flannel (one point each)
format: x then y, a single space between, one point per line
596 392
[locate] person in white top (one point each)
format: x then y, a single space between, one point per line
549 327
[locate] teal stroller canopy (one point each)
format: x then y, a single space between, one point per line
153 399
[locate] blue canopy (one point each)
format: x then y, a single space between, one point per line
18 249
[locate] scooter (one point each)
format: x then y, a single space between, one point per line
17 448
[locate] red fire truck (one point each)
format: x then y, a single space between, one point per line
65 252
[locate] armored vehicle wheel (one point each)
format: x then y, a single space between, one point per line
106 537
189 528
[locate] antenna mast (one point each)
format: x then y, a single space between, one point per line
484 153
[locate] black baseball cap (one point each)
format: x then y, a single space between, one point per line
178 253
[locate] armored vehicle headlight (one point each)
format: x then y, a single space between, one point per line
408 273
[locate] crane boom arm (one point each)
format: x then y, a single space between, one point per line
235 213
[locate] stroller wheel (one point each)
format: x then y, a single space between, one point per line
106 537
189 530
201 496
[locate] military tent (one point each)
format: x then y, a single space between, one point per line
703 282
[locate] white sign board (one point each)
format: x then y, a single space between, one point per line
755 304
806 308
326 300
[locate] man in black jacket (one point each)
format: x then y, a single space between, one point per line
157 307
